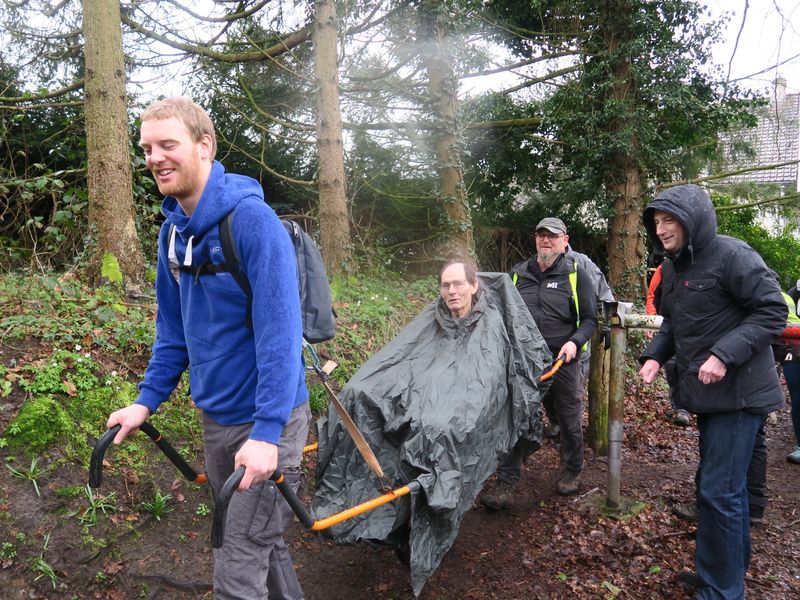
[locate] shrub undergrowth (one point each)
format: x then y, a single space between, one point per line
92 349
371 310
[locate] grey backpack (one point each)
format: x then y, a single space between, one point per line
316 304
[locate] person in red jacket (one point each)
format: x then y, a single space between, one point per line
679 416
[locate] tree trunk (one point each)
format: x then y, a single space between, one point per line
624 182
626 252
109 178
443 85
333 218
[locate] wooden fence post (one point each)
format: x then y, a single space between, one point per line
599 365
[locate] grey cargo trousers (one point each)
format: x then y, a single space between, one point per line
253 562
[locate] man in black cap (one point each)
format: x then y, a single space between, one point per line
561 298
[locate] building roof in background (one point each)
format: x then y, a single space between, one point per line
775 140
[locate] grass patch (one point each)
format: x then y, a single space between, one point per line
65 312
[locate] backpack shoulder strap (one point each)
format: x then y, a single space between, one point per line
232 264
573 284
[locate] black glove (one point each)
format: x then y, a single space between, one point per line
606 336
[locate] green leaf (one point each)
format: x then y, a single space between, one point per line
615 591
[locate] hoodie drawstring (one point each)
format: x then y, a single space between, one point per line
187 259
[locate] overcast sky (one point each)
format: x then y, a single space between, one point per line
770 36
768 45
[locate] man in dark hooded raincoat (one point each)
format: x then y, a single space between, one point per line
722 309
438 405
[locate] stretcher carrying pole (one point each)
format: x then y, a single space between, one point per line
232 483
552 370
96 463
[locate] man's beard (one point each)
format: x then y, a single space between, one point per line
187 180
547 257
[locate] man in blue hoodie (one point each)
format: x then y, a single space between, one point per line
245 364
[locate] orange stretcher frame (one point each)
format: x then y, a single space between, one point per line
232 483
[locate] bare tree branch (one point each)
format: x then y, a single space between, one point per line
368 24
225 18
777 200
46 96
284 45
535 80
527 34
265 166
386 73
506 124
729 174
294 126
738 35
519 64
521 123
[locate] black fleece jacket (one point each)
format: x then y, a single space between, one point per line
548 296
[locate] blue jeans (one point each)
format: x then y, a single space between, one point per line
791 372
722 552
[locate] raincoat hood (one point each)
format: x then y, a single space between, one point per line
689 204
450 324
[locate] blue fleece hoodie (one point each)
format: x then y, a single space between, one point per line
237 374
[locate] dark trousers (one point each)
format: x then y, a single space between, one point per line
722 552
566 399
791 372
757 474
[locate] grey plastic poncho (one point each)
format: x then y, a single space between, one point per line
439 404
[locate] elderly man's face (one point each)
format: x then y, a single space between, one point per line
456 290
550 245
670 231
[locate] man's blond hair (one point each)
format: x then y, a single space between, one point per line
192 115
